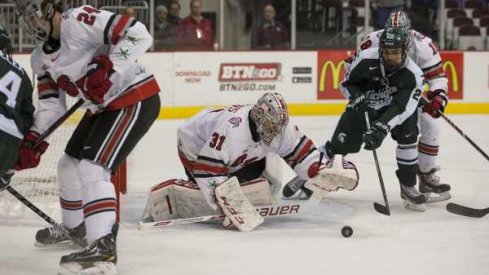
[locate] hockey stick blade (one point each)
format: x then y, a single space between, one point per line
466 211
382 209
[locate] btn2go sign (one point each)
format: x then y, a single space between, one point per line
331 71
248 76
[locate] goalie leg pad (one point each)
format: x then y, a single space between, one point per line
176 198
337 174
236 206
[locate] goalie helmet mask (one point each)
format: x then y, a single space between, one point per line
35 16
5 42
398 19
393 47
270 115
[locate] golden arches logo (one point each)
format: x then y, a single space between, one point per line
453 70
335 73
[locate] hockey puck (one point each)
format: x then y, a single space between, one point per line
346 231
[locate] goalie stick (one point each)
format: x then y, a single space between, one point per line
268 211
466 211
36 143
383 209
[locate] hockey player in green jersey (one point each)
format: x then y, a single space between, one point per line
387 84
16 109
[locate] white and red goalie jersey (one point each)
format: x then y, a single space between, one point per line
217 142
423 52
86 33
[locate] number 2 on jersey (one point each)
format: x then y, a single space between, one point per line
86 17
9 86
217 141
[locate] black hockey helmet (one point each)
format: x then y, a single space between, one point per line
393 47
5 42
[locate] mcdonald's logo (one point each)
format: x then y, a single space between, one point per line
336 70
331 70
454 75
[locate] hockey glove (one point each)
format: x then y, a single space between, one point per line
439 100
96 83
374 136
359 103
66 85
30 156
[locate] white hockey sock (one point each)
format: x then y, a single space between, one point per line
427 156
70 196
99 199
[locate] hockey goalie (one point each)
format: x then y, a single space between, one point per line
223 152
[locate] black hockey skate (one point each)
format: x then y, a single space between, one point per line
432 188
413 199
99 257
52 237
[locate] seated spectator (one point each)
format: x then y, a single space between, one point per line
129 11
174 14
271 34
196 31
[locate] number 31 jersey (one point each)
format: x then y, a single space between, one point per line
219 142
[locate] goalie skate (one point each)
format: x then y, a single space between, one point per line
99 257
432 188
52 237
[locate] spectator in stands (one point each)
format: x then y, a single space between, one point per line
382 9
196 31
129 11
174 14
164 37
271 34
162 27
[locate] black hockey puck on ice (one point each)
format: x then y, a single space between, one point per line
346 231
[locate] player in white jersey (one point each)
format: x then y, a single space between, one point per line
90 54
217 144
425 54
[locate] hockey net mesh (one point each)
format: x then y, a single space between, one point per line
39 185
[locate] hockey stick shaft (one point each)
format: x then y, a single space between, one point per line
454 126
269 211
58 123
449 121
40 213
383 209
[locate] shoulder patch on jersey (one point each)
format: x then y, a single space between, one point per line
235 121
67 14
419 36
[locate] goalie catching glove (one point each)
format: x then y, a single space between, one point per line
30 156
338 173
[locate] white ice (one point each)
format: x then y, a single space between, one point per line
433 242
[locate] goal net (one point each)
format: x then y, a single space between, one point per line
39 185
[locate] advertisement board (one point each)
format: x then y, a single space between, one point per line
331 71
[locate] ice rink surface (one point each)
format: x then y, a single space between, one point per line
433 242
